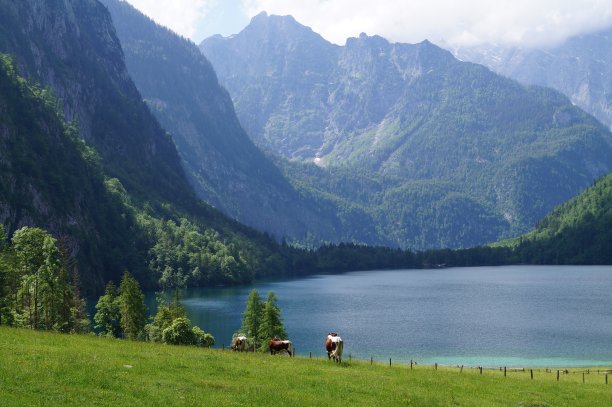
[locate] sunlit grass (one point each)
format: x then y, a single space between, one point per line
49 369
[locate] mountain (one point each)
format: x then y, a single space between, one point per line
50 178
580 67
577 232
72 48
439 152
226 169
135 210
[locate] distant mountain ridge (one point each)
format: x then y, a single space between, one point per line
453 154
580 67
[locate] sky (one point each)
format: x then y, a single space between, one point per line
527 23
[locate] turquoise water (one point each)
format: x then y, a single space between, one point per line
491 316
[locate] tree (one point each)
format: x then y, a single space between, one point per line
108 315
38 270
271 322
132 307
251 318
8 284
165 316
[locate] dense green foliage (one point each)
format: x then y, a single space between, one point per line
45 369
577 232
251 318
132 308
271 321
170 325
108 312
261 321
39 290
416 148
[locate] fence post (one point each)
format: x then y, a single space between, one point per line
582 377
480 367
461 371
371 359
310 355
557 375
389 361
606 378
350 357
436 366
531 371
410 364
504 371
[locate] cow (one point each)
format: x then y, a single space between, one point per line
240 343
334 346
277 345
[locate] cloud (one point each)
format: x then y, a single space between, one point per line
453 22
181 16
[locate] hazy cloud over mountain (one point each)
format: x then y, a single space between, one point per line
182 16
466 22
451 22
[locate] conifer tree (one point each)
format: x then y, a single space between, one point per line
132 307
271 322
251 319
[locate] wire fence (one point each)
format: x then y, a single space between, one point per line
588 374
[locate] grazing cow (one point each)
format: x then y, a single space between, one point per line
240 343
334 346
276 345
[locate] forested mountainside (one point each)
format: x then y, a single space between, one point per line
50 178
226 169
577 232
451 154
134 209
580 67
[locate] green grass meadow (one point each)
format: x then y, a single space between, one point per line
46 369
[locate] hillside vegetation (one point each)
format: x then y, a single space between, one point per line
50 369
577 232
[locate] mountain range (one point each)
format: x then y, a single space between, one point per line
438 152
580 67
111 137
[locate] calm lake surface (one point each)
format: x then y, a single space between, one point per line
491 316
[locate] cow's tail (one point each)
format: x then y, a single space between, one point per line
290 348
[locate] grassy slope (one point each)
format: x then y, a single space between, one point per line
51 369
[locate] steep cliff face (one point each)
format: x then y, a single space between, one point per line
51 179
226 169
71 47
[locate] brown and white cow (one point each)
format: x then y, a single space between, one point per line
277 345
334 346
240 343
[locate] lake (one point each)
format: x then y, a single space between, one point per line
491 316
